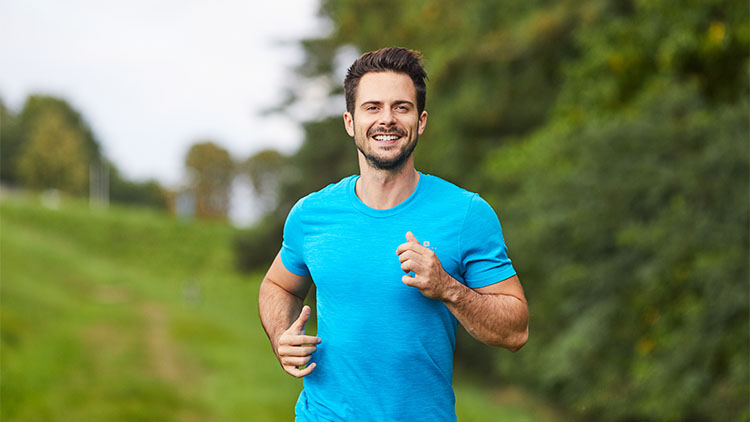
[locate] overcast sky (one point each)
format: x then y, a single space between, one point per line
153 77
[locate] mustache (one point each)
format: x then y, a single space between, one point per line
386 131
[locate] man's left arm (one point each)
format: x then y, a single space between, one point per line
496 314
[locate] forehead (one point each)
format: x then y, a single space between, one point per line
385 87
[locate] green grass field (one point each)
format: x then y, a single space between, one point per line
128 315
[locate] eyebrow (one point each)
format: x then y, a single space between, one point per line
375 102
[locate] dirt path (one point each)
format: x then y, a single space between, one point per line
163 354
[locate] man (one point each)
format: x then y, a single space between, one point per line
398 258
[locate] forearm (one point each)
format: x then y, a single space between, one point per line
278 308
495 319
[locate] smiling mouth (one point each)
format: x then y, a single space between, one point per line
386 138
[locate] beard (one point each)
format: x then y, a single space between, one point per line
391 164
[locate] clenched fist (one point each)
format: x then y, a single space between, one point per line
429 276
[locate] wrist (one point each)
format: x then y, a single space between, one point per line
454 291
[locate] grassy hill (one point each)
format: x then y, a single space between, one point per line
128 315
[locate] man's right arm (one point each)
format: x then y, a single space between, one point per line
280 301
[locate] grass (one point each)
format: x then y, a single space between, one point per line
129 315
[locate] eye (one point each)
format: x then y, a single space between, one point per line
402 108
371 108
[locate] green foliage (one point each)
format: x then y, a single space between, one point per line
47 145
38 106
123 191
212 172
637 191
256 247
327 155
702 42
10 144
54 155
646 291
265 170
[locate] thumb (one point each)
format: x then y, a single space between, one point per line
299 324
411 238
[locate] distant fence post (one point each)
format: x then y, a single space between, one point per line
99 184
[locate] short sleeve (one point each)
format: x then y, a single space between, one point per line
292 246
483 251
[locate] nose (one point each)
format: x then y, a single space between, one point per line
387 117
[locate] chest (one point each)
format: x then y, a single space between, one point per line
356 251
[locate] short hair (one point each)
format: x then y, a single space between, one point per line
394 59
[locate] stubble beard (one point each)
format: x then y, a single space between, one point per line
394 164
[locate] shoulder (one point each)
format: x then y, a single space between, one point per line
449 192
470 205
327 197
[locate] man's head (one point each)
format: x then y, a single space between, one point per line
385 94
393 59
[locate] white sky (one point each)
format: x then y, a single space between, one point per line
151 78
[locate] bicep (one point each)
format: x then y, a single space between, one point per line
278 275
509 287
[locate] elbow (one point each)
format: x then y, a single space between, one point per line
520 341
511 341
517 341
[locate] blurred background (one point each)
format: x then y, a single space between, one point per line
150 152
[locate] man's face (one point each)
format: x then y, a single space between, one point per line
385 123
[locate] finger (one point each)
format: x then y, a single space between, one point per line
407 255
299 373
403 248
296 360
409 265
409 280
297 350
298 340
408 246
299 324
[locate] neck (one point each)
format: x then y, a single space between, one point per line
383 189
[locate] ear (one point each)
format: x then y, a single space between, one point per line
349 124
422 122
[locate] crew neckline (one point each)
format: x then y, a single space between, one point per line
383 213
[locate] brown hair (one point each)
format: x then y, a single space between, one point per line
394 59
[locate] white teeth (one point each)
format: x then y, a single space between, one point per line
386 137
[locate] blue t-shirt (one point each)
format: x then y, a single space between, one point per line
386 351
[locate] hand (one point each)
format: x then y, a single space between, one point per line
429 276
295 349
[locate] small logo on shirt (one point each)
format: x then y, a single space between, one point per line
426 244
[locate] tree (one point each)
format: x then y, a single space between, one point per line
265 170
54 155
630 208
10 144
148 193
17 131
211 173
38 105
